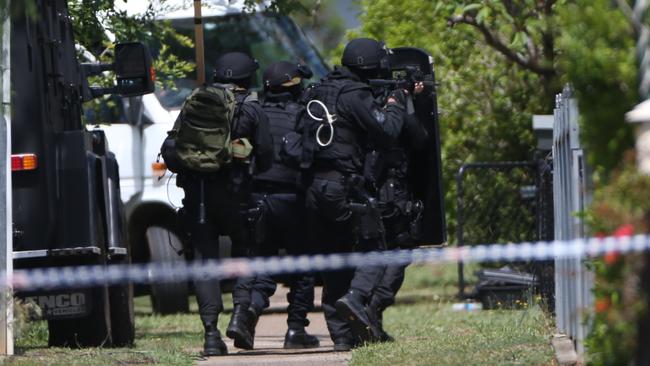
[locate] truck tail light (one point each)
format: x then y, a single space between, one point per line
23 162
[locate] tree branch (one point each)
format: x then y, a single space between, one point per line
495 42
548 6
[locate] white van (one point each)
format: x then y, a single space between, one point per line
135 138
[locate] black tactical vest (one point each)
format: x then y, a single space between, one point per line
283 117
346 145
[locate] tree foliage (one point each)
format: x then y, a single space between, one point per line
523 31
98 24
598 58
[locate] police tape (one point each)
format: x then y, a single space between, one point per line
228 268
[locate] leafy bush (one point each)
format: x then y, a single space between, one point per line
619 209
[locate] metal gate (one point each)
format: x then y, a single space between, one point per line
501 202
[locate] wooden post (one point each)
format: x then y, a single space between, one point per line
6 235
198 43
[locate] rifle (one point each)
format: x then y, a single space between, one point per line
405 80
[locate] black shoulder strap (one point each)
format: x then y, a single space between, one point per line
240 99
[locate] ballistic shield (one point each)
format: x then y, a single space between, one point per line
409 64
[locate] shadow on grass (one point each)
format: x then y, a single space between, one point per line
419 298
21 350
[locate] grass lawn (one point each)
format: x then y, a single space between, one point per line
428 333
163 340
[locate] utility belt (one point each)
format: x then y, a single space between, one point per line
331 175
255 212
363 206
275 187
236 177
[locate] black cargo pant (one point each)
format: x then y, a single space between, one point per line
335 228
386 289
395 196
282 228
220 214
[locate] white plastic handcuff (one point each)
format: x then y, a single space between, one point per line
329 122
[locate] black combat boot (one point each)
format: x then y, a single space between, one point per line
213 345
351 308
375 315
298 338
242 326
345 343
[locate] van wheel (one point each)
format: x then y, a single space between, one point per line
93 330
167 297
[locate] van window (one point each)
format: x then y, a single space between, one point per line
267 37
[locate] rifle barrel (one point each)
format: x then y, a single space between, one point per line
397 83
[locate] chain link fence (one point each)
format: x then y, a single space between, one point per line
500 202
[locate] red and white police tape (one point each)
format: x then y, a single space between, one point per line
93 275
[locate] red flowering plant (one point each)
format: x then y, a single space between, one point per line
619 209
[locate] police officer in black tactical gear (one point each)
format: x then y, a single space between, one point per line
401 211
277 200
344 215
213 201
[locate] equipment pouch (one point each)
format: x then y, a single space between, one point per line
415 226
387 191
370 223
256 223
292 149
373 168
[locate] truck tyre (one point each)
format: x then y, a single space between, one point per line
122 315
167 297
121 295
93 330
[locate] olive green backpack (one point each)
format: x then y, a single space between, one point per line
202 130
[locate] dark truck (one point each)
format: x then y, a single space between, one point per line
67 209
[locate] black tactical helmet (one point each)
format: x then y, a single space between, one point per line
285 74
364 54
234 66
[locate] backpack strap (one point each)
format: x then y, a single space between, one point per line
238 109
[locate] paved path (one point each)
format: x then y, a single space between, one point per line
269 338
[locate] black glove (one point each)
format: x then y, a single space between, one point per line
399 95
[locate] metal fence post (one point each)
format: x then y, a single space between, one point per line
573 282
6 248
